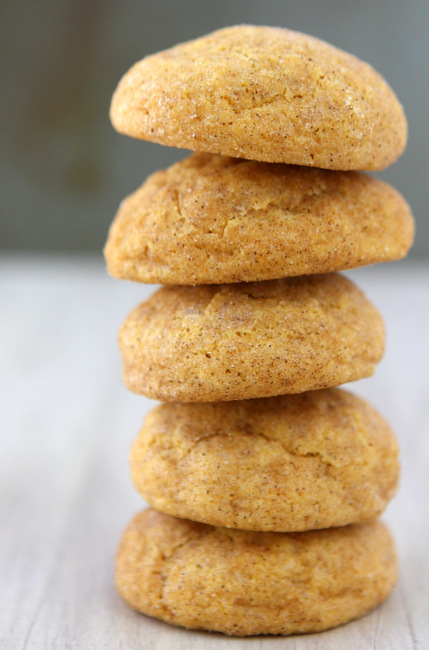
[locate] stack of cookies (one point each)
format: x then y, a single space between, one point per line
265 480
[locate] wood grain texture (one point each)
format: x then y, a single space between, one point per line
67 424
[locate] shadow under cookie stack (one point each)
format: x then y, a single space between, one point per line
265 481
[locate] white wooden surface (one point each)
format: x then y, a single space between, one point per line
66 426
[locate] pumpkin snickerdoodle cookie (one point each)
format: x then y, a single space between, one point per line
267 507
241 341
291 463
246 583
264 93
211 219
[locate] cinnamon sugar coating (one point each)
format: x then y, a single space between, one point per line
264 93
245 583
212 219
241 341
290 463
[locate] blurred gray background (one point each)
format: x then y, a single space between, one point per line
63 168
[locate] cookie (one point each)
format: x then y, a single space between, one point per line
290 463
212 219
267 94
240 341
246 583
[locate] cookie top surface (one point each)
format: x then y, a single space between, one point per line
297 462
214 219
246 583
264 93
240 341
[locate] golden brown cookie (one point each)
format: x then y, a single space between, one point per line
291 463
264 93
212 219
244 583
240 341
